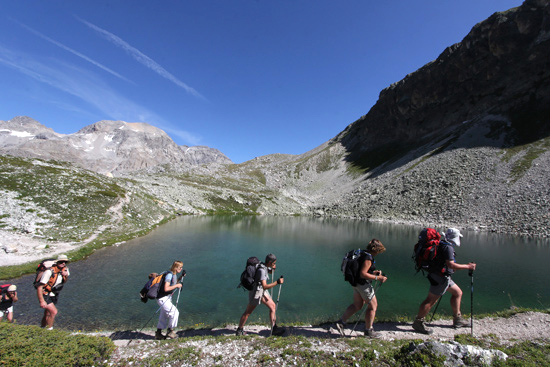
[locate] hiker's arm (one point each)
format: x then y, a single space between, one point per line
271 285
168 287
65 275
15 299
366 275
40 294
452 265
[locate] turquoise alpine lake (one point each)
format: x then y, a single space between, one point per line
102 292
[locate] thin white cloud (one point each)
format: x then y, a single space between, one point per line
140 57
74 52
89 88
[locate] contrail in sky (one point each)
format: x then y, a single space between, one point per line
74 52
142 58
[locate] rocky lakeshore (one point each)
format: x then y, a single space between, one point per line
323 345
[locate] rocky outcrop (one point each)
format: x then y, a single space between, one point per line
105 147
501 67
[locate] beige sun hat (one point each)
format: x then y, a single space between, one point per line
62 258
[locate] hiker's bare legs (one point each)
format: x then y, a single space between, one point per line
50 311
271 305
456 298
426 305
371 312
244 317
357 304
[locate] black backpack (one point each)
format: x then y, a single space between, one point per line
248 276
351 266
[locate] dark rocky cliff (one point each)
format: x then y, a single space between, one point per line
502 67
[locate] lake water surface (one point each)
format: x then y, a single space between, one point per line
103 290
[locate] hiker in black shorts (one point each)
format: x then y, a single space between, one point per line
364 291
440 282
49 287
259 294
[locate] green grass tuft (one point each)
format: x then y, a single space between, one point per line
32 346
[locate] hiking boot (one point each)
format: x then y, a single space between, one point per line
278 331
171 334
370 333
341 327
159 336
240 332
458 322
419 326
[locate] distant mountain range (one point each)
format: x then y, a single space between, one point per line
105 147
462 141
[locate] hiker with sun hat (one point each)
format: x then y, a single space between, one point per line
440 282
49 285
8 296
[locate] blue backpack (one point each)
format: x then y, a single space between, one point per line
151 289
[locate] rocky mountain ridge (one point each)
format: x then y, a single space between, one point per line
500 68
105 146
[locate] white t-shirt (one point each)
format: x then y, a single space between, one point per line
46 278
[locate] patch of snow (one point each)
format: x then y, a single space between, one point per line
19 134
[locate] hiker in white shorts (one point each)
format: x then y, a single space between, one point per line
7 299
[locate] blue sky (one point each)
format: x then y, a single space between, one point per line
248 77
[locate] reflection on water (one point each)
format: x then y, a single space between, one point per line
103 290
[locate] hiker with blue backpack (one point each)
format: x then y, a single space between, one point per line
440 267
169 313
258 293
360 271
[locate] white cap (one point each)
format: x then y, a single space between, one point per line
453 235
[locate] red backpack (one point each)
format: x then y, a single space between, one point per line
425 250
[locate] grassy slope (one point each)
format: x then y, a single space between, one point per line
59 202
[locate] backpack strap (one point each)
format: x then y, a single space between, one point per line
257 273
53 279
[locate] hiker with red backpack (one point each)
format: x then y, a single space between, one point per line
363 291
258 293
8 296
48 284
440 270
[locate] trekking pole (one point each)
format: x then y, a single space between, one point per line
181 277
131 340
368 303
272 280
276 306
435 309
183 273
471 274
